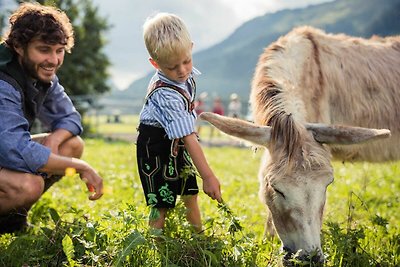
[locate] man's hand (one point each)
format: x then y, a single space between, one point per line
94 182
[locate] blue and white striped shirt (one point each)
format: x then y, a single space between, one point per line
166 108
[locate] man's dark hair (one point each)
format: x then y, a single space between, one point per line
32 20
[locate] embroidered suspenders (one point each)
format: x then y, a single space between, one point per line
187 98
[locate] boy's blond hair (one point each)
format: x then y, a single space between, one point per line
166 35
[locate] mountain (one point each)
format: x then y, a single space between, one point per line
228 66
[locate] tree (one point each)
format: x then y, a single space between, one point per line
84 71
3 13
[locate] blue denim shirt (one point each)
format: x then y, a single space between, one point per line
17 150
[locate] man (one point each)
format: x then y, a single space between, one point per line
31 52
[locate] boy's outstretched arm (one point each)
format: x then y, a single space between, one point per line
211 184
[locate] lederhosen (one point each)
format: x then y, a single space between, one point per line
164 165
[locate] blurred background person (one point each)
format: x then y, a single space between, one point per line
218 108
200 106
235 106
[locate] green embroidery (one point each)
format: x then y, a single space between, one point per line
166 194
187 156
147 166
171 168
152 198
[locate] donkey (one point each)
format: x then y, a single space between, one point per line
316 96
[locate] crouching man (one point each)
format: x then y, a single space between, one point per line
31 52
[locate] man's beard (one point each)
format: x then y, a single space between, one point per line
31 70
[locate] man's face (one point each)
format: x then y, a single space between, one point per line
41 60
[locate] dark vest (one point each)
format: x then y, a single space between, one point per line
32 97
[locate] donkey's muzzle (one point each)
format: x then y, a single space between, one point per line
294 259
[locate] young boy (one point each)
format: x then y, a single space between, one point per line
167 142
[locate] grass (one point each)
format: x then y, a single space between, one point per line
108 125
361 225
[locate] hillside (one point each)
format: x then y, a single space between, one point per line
228 66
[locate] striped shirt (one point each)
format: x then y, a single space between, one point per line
166 108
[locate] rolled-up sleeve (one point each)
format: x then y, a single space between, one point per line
58 112
34 155
17 150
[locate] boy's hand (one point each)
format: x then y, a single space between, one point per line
212 188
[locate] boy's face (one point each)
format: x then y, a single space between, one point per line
41 60
177 68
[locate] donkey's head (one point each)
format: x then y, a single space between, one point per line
295 174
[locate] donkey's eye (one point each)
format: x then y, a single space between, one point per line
279 192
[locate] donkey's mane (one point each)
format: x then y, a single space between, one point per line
272 105
290 143
286 138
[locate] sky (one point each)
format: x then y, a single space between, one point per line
209 22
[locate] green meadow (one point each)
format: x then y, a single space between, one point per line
361 221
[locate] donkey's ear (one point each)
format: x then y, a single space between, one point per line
258 135
345 135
